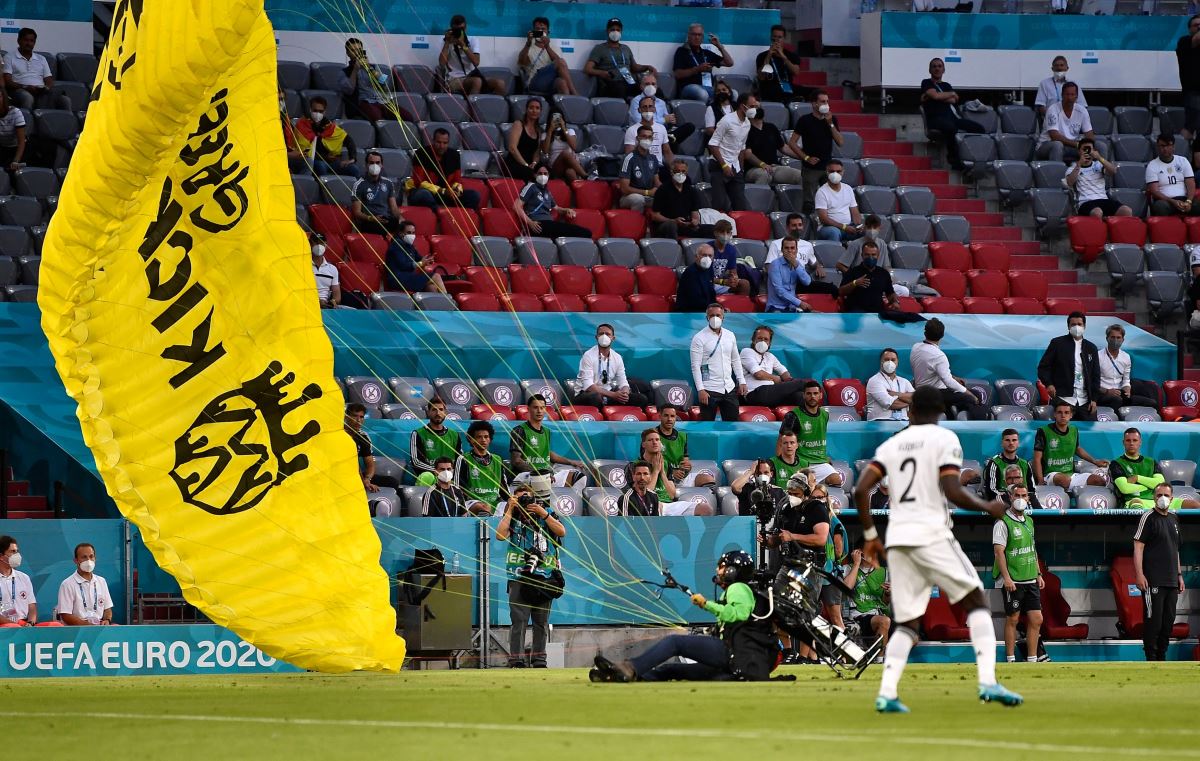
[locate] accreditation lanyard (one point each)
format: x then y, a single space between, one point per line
95 595
12 598
603 366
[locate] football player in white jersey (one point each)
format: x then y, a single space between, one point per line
922 463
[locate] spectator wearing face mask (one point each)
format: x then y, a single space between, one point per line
612 65
716 368
320 142
1116 386
639 178
695 291
405 268
872 230
1050 88
446 499
1016 573
676 209
374 209
867 287
17 603
720 106
836 207
1070 369
329 291
676 132
726 278
806 255
812 141
83 597
888 393
1158 572
725 147
770 383
659 147
602 379
535 208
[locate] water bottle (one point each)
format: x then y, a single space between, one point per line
455 564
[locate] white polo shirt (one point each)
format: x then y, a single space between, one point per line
1114 371
753 362
1170 176
27 71
327 276
1071 127
83 598
836 203
16 595
730 138
806 254
882 392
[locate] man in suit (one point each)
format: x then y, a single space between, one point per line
1070 369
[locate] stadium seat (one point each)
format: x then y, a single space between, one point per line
593 220
1011 413
982 305
581 413
840 413
942 622
562 302
592 194
425 219
1138 414
547 387
1022 305
328 219
909 256
529 279
941 305
361 277
1126 230
492 250
487 279
1178 414
912 227
434 302
989 256
624 414
658 281
578 252
619 252
613 280
915 199
571 279
1167 230
477 302
1179 472
366 247
499 222
749 414
1063 306
1182 393
676 391
499 392
1130 604
1028 284
1055 610
736 303
455 220
1088 236
520 302
493 413
848 392
821 302
625 223
752 224
950 255
1053 497
603 302
1193 229
648 302
881 172
947 282
368 390
988 284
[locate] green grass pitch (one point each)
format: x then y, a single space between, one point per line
1071 711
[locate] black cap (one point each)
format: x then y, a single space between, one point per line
614 21
315 236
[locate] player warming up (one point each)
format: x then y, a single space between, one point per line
922 462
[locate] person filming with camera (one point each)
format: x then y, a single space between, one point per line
534 535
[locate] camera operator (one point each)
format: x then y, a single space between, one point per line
459 62
803 525
744 648
534 534
757 493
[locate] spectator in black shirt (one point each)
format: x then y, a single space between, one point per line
804 525
762 162
404 266
696 291
676 210
694 64
867 287
445 499
639 499
776 66
939 102
355 415
812 142
1187 52
1159 575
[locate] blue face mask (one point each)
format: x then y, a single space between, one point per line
870 262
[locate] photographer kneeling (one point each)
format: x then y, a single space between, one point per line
745 647
534 535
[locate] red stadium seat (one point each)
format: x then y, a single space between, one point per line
451 253
752 224
488 412
561 192
736 303
455 220
1043 395
941 305
605 302
1193 229
480 187
587 414
949 255
1022 305
1056 611
335 249
1063 306
562 302
660 281
458 286
1126 230
366 247
499 222
613 279
982 305
477 302
847 392
648 302
1182 393
628 414
592 194
988 283
944 622
363 277
1131 609
821 302
529 279
756 415
1174 414
625 223
423 217
990 256
909 304
520 302
1028 284
329 219
504 192
570 278
782 410
950 283
591 219
1167 230
488 279
523 412
1088 236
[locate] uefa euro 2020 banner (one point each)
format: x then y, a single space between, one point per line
178 299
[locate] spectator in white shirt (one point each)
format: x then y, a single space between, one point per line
459 60
1050 90
660 148
83 598
12 135
716 368
1086 177
836 207
542 68
1066 122
676 132
931 367
806 256
1170 182
329 291
27 74
770 383
888 394
725 147
1116 387
602 379
17 603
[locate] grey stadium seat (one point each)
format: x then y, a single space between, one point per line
601 502
492 250
567 502
661 252
339 190
881 172
460 392
828 252
851 147
755 249
15 241
411 498
547 387
581 252
1014 147
851 173
1106 415
1170 119
500 392
840 414
1018 119
435 302
609 136
620 252
21 293
1016 391
760 197
1050 207
584 85
1130 174
396 163
909 255
399 412
1102 120
325 75
537 251
916 199
611 472
35 181
575 109
775 113
982 388
60 126
1126 263
951 227
1053 498
503 73
368 390
1095 498
1165 292
1133 120
8 271
292 75
30 268
78 67
308 190
1132 148
446 107
1013 181
1011 412
1135 199
1042 412
734 469
491 110
912 227
675 391
412 390
1137 414
976 151
698 495
875 200
1165 257
791 198
1048 174
611 111
1178 472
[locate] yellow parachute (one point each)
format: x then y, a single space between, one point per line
178 298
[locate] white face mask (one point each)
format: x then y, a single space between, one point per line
1019 505
604 340
764 478
1162 503
761 347
614 36
409 239
318 116
1059 75
647 116
751 113
871 234
87 566
318 250
795 501
705 262
649 91
14 560
445 476
823 109
542 179
1076 331
889 367
645 144
835 178
374 169
680 177
715 322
